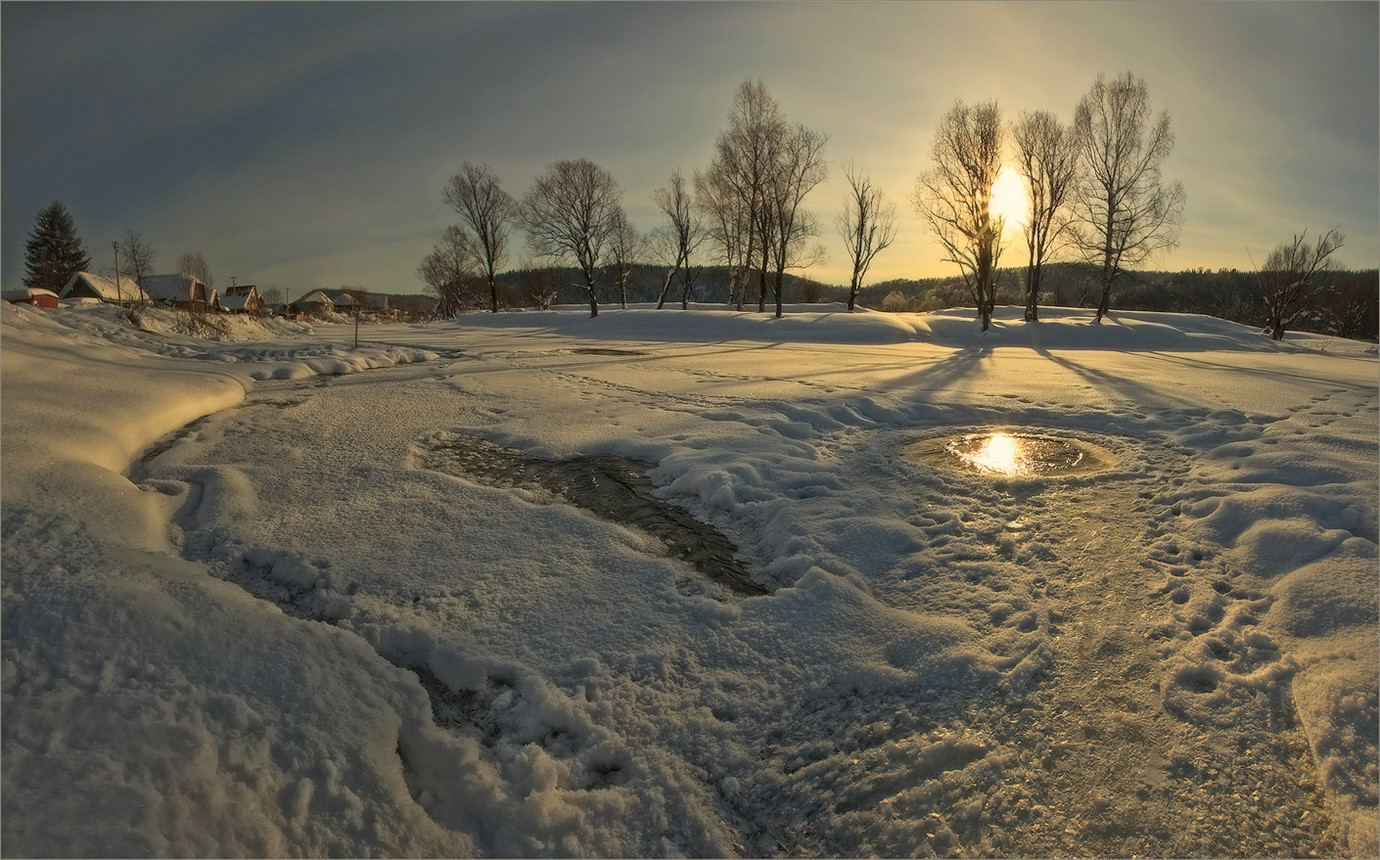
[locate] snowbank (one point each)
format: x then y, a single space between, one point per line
243 614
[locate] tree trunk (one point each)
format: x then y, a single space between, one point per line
593 299
1032 293
853 293
1104 303
665 287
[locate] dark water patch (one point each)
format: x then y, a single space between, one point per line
601 350
613 488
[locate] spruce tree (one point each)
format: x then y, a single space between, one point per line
54 252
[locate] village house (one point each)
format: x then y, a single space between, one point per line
91 287
242 299
181 291
37 296
315 302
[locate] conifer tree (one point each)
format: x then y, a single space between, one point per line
54 252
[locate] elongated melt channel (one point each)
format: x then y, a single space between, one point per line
610 487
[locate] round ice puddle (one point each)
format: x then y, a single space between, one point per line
1011 453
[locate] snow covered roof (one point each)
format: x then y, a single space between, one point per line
171 288
89 284
235 301
26 293
344 300
313 298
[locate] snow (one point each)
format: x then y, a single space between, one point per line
244 612
125 291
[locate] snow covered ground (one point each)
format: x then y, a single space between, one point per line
254 602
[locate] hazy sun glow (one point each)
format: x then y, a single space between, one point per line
1009 200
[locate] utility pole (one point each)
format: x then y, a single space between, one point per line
119 296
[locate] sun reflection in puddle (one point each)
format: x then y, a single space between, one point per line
1002 453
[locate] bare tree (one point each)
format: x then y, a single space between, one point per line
1288 281
955 197
683 234
192 264
728 226
136 256
570 213
1126 211
867 225
799 167
626 245
449 270
1047 158
746 156
272 296
486 214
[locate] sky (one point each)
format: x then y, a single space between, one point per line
304 145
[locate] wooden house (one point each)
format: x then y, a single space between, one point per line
89 286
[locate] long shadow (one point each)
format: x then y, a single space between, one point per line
1139 394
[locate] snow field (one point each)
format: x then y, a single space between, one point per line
1140 661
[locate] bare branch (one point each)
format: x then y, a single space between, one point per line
867 225
955 196
1127 213
570 213
486 214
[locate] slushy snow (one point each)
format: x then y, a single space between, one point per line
245 614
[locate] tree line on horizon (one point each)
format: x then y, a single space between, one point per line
1095 185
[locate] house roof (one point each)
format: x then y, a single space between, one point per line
240 289
90 283
235 302
314 297
170 288
344 300
26 293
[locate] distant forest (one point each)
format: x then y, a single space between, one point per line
1348 308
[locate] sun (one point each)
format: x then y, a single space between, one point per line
1009 200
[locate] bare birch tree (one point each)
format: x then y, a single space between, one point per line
136 256
449 269
569 214
955 197
727 227
626 245
486 214
1127 212
1289 279
867 225
745 157
799 167
192 264
684 230
1047 158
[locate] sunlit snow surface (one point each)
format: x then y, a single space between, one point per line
248 611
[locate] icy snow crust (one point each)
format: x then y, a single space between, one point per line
243 615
